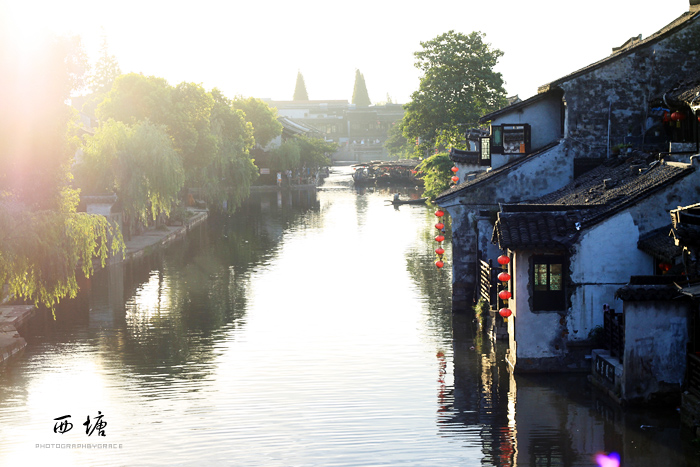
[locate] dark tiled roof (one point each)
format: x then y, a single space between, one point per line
672 27
466 157
493 175
659 243
555 229
611 187
592 197
648 292
683 92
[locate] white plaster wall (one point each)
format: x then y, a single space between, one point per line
544 118
465 169
656 335
531 334
605 258
546 173
293 113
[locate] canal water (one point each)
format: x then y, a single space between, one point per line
309 329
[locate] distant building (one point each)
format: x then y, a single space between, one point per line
360 131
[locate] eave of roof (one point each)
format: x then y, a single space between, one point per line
492 174
555 219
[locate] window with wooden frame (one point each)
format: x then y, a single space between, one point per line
548 274
485 152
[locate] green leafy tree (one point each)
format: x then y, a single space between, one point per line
100 82
136 162
229 177
106 70
262 116
300 93
43 240
458 85
314 152
35 148
190 127
436 174
286 156
135 97
396 143
360 97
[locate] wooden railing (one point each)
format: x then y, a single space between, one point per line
614 331
693 375
487 287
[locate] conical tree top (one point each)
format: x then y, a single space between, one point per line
300 93
360 97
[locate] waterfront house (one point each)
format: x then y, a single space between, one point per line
572 249
573 124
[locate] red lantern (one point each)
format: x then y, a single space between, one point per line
667 117
439 264
439 238
454 169
677 116
504 295
503 259
439 213
504 277
455 179
505 312
439 226
440 251
414 172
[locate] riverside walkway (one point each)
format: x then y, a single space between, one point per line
14 317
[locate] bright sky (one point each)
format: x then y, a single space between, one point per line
255 48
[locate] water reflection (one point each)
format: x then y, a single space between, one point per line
308 329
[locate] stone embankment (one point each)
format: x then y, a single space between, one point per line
14 317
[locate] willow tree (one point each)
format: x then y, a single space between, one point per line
230 175
138 163
44 242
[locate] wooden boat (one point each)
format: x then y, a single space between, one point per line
398 202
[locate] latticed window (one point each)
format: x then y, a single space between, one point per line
548 283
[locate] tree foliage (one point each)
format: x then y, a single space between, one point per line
43 240
230 176
35 151
396 143
105 72
262 116
211 134
136 162
300 93
42 250
314 152
436 174
360 97
458 86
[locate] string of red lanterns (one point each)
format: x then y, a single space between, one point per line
440 238
504 294
440 226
